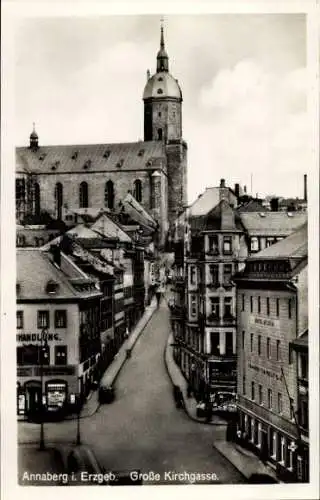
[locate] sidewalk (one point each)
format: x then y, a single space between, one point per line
33 461
190 404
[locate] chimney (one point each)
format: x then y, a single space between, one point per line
55 250
237 190
274 204
222 183
305 191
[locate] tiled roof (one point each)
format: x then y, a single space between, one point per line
35 269
294 246
205 202
108 228
137 212
91 157
272 223
221 217
251 206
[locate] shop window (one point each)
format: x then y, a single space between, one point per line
268 348
259 435
282 451
21 240
254 244
227 245
251 342
215 343
277 307
260 395
60 318
270 399
280 409
60 354
268 305
252 391
43 319
273 445
259 345
19 319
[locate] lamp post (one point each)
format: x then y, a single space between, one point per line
43 354
78 438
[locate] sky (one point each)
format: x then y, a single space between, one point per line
243 79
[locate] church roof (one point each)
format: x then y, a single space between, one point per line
162 85
91 157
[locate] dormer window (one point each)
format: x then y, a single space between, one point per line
120 163
87 164
42 156
149 163
159 91
55 165
74 155
52 287
106 154
141 152
160 79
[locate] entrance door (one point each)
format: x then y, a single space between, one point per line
33 398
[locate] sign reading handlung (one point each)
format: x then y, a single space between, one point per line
38 337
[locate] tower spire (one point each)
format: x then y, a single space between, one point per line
162 56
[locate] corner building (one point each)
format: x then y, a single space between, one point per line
272 313
59 179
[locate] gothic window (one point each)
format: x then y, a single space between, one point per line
109 195
37 202
83 195
58 197
137 190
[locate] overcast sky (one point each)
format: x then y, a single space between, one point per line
243 80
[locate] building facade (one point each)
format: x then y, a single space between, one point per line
59 179
272 312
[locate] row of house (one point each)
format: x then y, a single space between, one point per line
79 296
215 325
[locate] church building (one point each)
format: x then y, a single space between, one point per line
59 179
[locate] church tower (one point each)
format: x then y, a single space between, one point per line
162 98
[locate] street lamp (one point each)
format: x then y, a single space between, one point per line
78 438
43 355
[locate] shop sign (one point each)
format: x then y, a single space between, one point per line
56 395
264 371
38 337
261 321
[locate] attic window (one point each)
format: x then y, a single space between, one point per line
160 79
42 156
149 163
55 165
262 214
75 155
120 163
141 152
106 154
52 287
159 91
87 164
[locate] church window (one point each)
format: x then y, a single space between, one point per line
58 197
137 191
109 195
160 91
36 199
83 195
160 134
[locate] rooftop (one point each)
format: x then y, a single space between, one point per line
272 223
294 246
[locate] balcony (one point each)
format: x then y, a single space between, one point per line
213 318
229 319
227 284
214 285
213 252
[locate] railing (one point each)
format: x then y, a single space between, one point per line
212 318
213 285
227 284
213 252
229 319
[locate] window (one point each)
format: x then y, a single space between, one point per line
269 242
303 366
215 343
159 129
137 190
36 199
244 385
214 273
251 342
227 245
254 242
228 307
277 307
278 351
289 308
251 303
273 444
21 240
215 307
259 345
52 287
193 275
19 319
227 273
60 354
60 318
43 319
214 244
270 399
292 415
268 305
243 302
259 304
282 451
83 195
268 348
243 338
279 402
58 197
260 395
229 343
109 195
193 305
252 391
